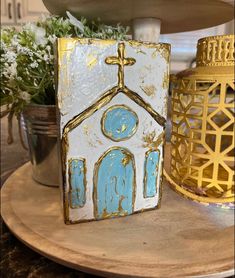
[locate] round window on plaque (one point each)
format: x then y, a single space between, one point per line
119 123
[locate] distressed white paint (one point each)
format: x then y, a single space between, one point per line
81 86
149 70
81 80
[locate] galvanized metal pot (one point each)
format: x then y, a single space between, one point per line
39 122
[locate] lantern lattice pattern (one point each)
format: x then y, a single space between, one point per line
202 164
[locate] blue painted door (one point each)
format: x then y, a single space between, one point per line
114 184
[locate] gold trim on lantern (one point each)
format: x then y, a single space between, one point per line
215 51
192 196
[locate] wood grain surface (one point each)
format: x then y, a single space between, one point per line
181 239
16 259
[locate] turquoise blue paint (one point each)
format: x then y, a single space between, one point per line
151 173
119 123
115 183
77 182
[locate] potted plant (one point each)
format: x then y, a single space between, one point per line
28 82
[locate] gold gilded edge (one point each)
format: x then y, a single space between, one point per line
89 41
95 181
162 174
114 216
64 47
66 41
66 44
163 48
105 115
165 83
158 46
60 148
64 151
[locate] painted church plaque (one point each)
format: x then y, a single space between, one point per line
112 99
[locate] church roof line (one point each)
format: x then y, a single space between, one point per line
105 99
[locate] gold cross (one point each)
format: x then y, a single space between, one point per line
121 61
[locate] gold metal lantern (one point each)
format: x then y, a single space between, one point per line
202 143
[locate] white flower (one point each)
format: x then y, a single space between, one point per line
52 38
44 17
109 30
75 22
34 65
46 57
29 27
39 33
15 41
10 56
25 96
40 36
48 47
24 50
3 46
10 71
13 70
34 46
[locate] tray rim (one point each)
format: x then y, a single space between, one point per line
19 229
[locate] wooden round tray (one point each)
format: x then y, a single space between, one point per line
181 239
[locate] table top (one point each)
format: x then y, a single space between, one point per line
175 15
180 239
